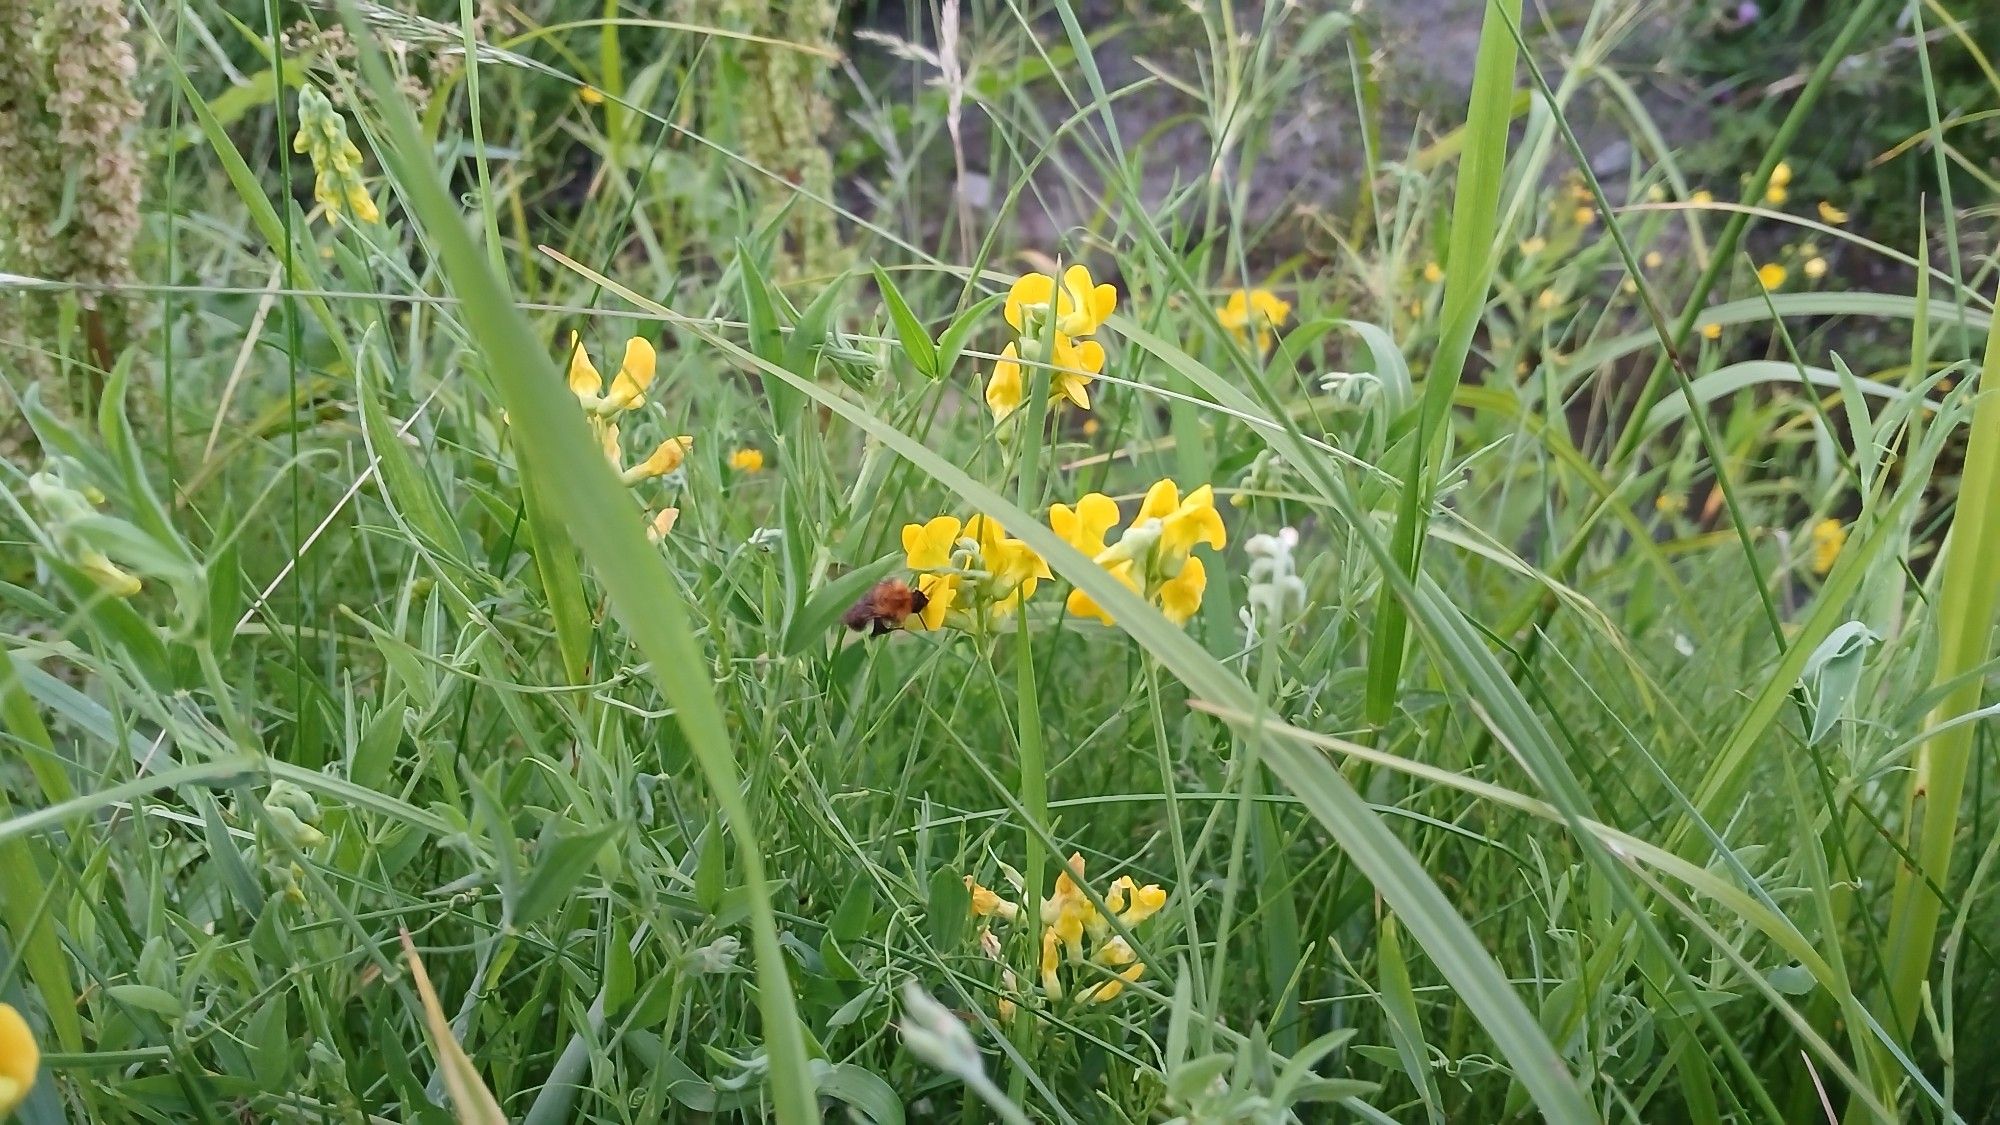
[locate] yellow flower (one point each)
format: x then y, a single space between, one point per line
1132 903
1831 215
1433 272
1183 523
1776 194
1703 198
1771 275
20 1058
1533 245
1585 216
663 523
1091 426
747 460
584 381
927 546
1828 537
322 136
1080 604
665 458
635 374
1711 331
986 904
1180 596
1013 566
1116 954
590 95
1080 306
1654 259
1547 299
1084 526
1814 269
1072 367
1782 174
1254 314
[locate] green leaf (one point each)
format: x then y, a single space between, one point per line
917 345
562 859
1833 673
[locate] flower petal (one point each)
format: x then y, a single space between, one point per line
1003 389
584 381
1180 596
1028 290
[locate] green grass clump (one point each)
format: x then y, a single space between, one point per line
1503 644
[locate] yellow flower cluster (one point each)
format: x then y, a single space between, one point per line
337 185
628 392
19 1059
1068 919
1050 321
1254 314
970 573
1780 187
1154 554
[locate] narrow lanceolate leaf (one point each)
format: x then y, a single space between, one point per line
555 446
471 1101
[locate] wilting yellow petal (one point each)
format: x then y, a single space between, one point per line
663 524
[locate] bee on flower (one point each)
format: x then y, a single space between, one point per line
1254 315
1050 320
1154 556
969 574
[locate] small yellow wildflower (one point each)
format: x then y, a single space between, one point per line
1828 537
1711 331
20 1058
1670 503
628 386
987 904
1585 215
1433 272
964 568
747 460
1814 269
1780 186
590 95
665 458
662 524
1702 198
1654 259
1091 426
1080 306
1254 314
322 136
1153 556
1831 215
1533 245
1118 956
1073 364
1547 299
1771 275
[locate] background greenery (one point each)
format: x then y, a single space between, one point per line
1600 776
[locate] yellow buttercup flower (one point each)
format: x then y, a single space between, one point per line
747 460
1831 215
1771 275
20 1058
1254 314
1080 306
1828 537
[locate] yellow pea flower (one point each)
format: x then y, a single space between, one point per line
1828 537
1771 275
1080 306
1711 331
635 374
927 546
1050 962
1814 269
665 458
1080 604
1703 198
1433 272
20 1058
1084 526
1831 215
1254 314
1073 365
663 524
1776 194
747 460
590 95
986 904
1114 954
1014 567
1180 596
1183 523
584 381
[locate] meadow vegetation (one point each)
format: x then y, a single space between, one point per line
749 560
